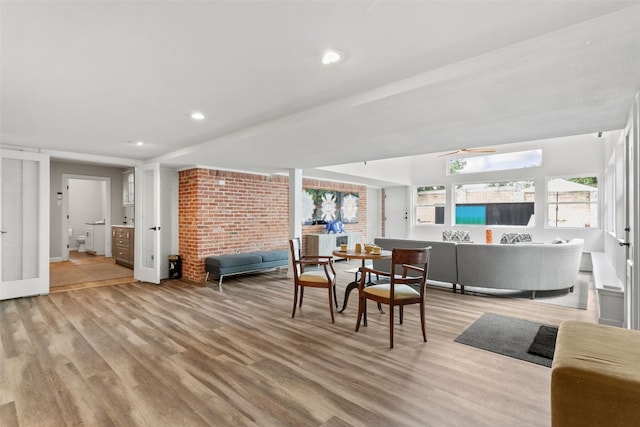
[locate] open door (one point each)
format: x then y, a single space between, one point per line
24 224
156 221
632 288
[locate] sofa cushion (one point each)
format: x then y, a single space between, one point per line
269 256
234 260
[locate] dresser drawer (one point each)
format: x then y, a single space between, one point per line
122 247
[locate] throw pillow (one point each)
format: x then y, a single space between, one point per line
511 238
456 236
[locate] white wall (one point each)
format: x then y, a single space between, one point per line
374 207
561 156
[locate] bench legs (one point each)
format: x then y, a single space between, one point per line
206 278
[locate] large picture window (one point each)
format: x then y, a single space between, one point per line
572 202
495 203
430 203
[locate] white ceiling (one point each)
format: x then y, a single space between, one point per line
419 77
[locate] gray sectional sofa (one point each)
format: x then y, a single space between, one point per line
530 267
442 264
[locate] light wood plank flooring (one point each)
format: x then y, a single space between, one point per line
181 355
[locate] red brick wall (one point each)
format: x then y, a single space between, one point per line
247 213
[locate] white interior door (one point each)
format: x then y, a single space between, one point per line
632 288
156 221
396 212
24 224
147 241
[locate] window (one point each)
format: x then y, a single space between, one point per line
495 203
430 204
495 162
572 202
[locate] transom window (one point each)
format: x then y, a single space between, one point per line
495 162
495 203
572 202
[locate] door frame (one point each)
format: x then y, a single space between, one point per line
65 212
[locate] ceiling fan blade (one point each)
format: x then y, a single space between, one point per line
480 150
448 154
470 150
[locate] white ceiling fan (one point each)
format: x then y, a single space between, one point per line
469 150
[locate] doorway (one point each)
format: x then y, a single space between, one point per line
86 238
86 200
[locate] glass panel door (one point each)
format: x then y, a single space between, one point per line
146 266
156 221
24 224
632 291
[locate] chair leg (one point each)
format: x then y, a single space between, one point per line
360 312
331 304
295 300
301 295
335 298
391 326
424 332
401 313
364 310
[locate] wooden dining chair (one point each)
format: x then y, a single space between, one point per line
407 280
323 277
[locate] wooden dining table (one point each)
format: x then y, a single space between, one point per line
364 256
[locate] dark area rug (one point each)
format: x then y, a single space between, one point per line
506 335
544 344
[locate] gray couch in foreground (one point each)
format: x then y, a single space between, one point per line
530 267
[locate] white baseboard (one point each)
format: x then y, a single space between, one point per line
56 259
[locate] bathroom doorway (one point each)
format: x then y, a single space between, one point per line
86 206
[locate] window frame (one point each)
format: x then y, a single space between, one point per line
597 203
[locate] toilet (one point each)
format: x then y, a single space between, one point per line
81 241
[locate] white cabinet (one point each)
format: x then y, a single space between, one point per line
609 291
325 244
94 241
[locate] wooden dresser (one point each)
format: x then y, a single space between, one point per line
122 245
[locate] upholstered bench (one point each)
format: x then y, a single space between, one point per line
253 262
595 376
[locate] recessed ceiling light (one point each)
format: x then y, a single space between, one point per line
197 115
136 143
331 56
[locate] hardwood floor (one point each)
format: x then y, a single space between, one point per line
84 270
176 354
